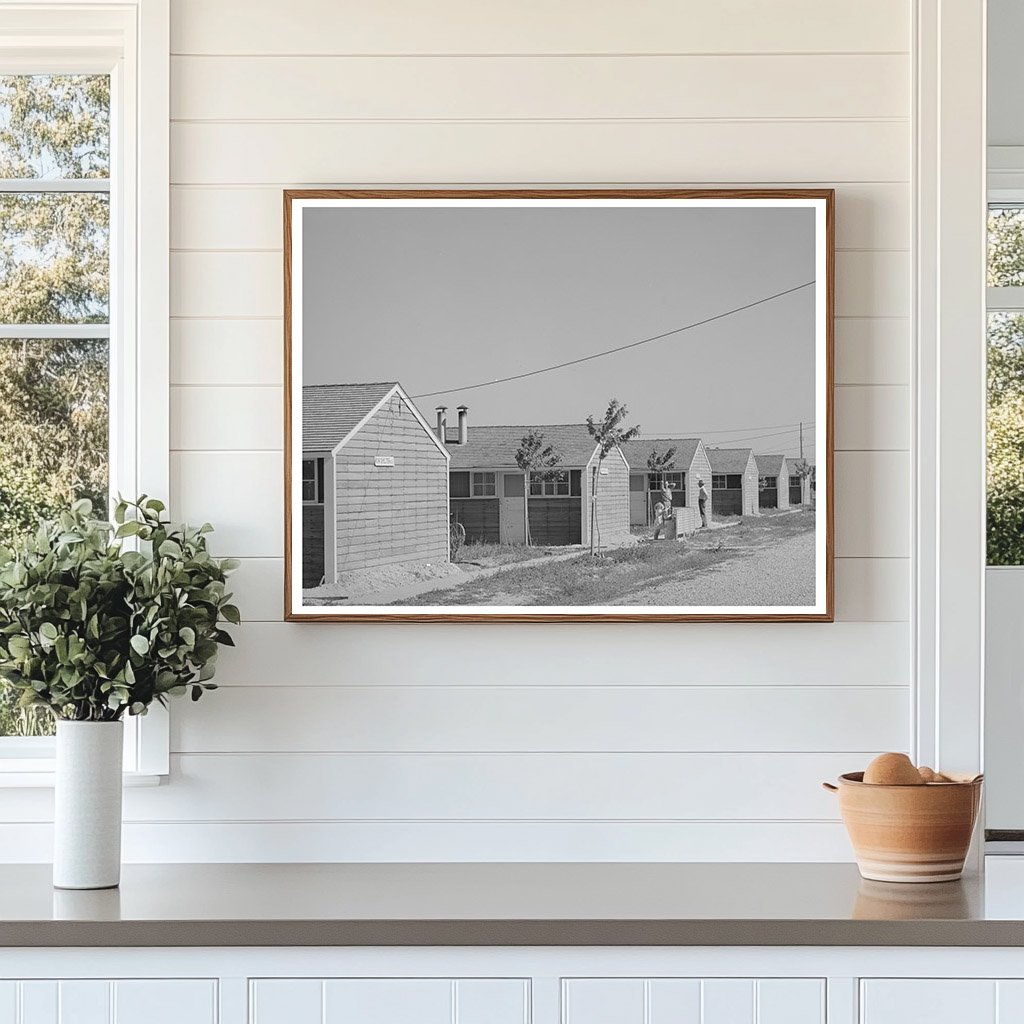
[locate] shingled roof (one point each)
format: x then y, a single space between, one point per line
497 446
636 452
768 465
729 460
330 411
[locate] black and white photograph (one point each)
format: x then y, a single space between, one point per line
516 405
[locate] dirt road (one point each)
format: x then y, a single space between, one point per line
782 574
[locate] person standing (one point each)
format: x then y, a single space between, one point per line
702 502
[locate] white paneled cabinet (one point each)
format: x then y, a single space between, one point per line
389 1001
693 1001
102 1001
942 1001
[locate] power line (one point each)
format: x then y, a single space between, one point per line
761 437
620 348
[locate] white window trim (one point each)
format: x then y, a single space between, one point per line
130 40
948 446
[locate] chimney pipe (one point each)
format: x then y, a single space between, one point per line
442 423
463 424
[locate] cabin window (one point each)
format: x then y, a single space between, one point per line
312 481
484 485
794 481
767 483
655 481
458 485
552 484
726 481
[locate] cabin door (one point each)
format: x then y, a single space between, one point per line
513 509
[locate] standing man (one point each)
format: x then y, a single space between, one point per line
702 502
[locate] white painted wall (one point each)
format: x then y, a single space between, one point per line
525 742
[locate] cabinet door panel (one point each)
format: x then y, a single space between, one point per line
39 1002
165 1002
491 1001
286 1001
388 1001
675 1001
728 1001
791 1001
603 1001
84 1002
935 1001
8 1002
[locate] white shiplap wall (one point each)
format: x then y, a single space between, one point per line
599 742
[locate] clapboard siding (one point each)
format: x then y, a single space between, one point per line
538 88
868 216
578 26
845 654
460 787
162 842
556 718
538 151
723 761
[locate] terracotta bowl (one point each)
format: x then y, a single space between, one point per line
909 833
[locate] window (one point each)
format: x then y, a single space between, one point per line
83 262
723 481
483 485
458 485
552 484
767 483
794 481
312 481
1005 470
655 481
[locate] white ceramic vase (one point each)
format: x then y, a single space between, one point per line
87 806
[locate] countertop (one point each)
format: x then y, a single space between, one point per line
560 904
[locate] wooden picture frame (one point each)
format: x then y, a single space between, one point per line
396 501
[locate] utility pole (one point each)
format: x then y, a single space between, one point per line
801 440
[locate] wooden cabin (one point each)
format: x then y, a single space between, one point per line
487 487
773 481
688 466
374 481
733 481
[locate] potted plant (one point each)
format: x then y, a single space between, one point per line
99 620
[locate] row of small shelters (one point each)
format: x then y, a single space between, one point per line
382 486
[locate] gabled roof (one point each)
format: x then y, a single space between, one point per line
330 411
769 465
636 452
729 460
497 446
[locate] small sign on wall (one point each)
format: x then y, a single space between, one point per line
384 461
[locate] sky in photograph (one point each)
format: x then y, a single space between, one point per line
443 299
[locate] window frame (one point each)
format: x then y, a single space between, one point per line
483 479
317 480
130 42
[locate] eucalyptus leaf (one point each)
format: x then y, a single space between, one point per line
93 631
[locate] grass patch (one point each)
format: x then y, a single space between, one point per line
582 580
481 553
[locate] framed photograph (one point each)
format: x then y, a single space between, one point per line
558 405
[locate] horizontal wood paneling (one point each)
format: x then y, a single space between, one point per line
233 284
326 841
606 786
581 151
802 654
868 216
577 26
217 418
227 352
241 493
553 718
872 418
872 351
537 88
872 502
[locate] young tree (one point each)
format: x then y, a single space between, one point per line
532 457
805 470
657 464
608 434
